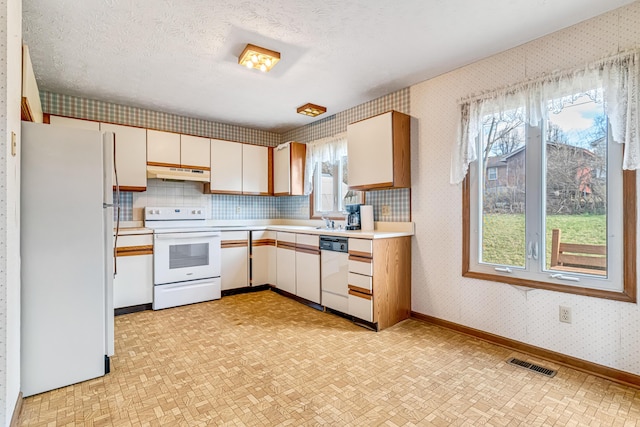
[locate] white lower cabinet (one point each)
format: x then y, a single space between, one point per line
361 306
133 284
286 262
308 267
263 258
234 271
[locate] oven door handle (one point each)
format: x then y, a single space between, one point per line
173 236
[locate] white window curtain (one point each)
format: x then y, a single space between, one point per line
613 81
330 149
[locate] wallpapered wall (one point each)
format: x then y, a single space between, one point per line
228 207
604 332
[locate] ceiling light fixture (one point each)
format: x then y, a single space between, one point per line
312 110
258 57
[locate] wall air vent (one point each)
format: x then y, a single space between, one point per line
532 367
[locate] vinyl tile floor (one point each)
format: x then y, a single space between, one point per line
262 359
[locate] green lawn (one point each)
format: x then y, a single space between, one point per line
504 235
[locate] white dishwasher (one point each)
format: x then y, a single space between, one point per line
334 272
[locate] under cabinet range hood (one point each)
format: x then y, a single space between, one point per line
178 174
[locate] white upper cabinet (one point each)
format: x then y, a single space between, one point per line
281 168
163 148
288 169
378 151
226 167
195 152
255 169
74 123
131 156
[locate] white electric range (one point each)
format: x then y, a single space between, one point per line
186 256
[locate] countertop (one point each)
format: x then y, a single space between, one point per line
383 230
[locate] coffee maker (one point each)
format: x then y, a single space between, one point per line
353 217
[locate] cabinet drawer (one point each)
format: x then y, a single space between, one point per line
361 282
361 265
308 240
286 237
335 302
361 247
236 237
135 240
361 306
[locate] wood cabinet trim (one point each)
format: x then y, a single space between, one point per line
263 242
286 245
131 188
359 289
366 260
306 250
297 160
202 168
360 254
134 250
207 189
270 172
360 295
225 244
401 131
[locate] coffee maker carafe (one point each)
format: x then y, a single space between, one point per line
353 217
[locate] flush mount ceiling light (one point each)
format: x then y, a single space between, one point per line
258 57
312 110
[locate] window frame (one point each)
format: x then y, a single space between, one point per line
495 173
628 293
337 199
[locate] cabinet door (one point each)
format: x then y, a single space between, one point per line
255 169
286 262
226 167
282 170
131 156
234 271
195 152
308 276
370 151
163 148
263 257
133 285
308 267
74 123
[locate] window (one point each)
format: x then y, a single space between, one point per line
563 213
326 177
330 188
556 219
492 174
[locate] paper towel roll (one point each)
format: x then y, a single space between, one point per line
366 218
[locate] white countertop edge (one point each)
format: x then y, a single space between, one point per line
383 230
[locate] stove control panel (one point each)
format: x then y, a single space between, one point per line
174 213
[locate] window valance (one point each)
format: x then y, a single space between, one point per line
613 80
330 149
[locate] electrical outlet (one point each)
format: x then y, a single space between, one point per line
237 209
386 210
565 314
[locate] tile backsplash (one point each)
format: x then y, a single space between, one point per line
229 207
218 206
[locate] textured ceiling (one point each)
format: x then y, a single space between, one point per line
181 56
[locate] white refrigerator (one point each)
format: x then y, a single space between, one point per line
67 256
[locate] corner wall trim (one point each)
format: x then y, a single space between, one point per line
17 411
611 374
